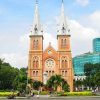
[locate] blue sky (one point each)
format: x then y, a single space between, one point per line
13 9
16 18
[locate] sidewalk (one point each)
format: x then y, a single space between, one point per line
53 97
15 98
62 97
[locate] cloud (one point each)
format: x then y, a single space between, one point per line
81 42
49 38
24 40
20 2
82 34
82 2
81 37
15 59
92 20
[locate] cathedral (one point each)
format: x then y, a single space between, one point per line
42 64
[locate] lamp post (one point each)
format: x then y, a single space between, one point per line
27 75
45 76
27 79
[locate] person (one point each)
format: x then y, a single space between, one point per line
33 94
38 94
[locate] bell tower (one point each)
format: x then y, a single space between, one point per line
36 48
64 50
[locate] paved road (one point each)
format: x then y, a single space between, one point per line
67 98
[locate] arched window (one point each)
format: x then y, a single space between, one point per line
35 62
35 44
49 73
62 42
65 63
65 42
62 64
62 73
65 73
36 73
52 72
33 73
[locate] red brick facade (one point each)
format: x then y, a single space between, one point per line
50 61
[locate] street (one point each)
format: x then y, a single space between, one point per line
60 98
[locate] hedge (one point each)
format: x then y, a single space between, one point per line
41 93
75 94
3 94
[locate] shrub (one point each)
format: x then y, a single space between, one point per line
75 94
41 93
3 94
44 93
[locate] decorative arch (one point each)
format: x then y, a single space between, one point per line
35 43
35 62
64 62
64 42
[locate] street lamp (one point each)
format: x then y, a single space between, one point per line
27 79
45 76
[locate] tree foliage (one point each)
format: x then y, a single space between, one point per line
37 85
57 81
7 75
92 72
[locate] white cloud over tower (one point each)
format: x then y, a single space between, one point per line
82 33
83 2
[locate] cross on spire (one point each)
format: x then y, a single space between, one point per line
37 28
36 1
63 26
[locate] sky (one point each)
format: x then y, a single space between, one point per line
16 19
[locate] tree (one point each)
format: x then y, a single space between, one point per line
97 80
65 86
54 82
7 75
57 81
92 72
1 62
20 82
88 69
37 85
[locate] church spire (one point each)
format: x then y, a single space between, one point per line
63 27
37 27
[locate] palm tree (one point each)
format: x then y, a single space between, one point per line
54 82
65 85
57 81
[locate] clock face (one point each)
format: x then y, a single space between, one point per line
49 52
50 63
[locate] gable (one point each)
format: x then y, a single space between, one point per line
50 52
